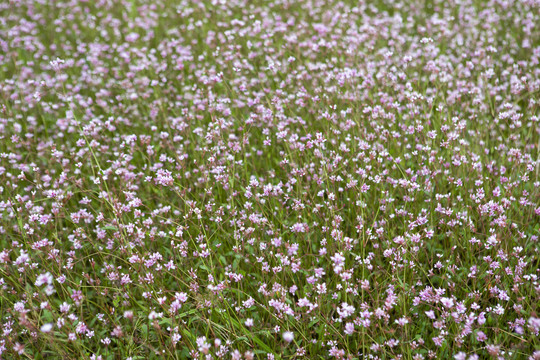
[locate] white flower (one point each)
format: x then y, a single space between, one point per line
288 336
154 315
46 327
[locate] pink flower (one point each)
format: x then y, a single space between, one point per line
288 336
480 336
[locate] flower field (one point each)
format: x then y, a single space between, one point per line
254 179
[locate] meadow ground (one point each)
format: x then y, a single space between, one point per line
247 179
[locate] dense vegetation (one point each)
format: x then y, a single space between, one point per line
280 179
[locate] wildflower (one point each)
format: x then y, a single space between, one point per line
46 278
447 302
480 336
288 336
46 327
349 328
